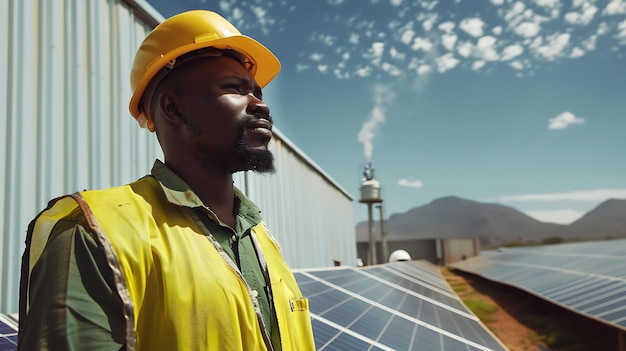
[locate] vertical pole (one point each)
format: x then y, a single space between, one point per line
372 247
383 235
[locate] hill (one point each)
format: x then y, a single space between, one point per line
496 224
606 221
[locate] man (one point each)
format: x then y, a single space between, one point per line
179 259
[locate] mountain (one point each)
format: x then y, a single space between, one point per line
495 224
607 220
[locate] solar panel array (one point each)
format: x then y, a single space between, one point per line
8 334
588 278
397 306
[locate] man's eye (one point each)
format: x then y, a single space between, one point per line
235 88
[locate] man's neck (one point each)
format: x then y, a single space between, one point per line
215 191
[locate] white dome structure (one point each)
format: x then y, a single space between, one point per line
399 255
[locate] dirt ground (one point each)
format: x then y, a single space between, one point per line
502 323
524 322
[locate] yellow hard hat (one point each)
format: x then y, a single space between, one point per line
187 32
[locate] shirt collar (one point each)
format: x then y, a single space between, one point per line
179 193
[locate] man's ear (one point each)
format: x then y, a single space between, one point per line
170 107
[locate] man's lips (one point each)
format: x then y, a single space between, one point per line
261 127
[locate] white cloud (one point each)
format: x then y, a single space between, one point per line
396 55
263 19
593 195
375 52
512 51
517 65
622 30
329 40
565 216
486 48
363 72
513 16
316 56
410 183
497 2
237 13
396 2
422 44
429 22
582 18
564 120
472 26
446 62
407 36
555 46
603 28
423 69
478 65
497 30
392 70
448 41
446 26
577 52
465 49
548 3
590 43
429 6
536 43
322 68
527 29
354 38
340 74
302 67
615 7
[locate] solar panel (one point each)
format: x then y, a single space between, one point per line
589 278
398 306
8 334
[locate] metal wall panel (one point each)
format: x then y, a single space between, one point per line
304 209
64 92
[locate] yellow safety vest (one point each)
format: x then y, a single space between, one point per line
180 290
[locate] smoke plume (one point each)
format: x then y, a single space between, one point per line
382 96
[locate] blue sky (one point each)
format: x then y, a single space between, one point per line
521 103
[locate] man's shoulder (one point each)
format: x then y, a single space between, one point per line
143 182
144 188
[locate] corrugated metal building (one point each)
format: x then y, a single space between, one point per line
65 90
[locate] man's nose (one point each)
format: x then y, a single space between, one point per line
257 106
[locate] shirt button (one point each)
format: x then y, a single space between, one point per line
233 238
255 293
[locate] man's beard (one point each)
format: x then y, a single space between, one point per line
249 159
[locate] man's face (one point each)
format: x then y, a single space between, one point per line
227 123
